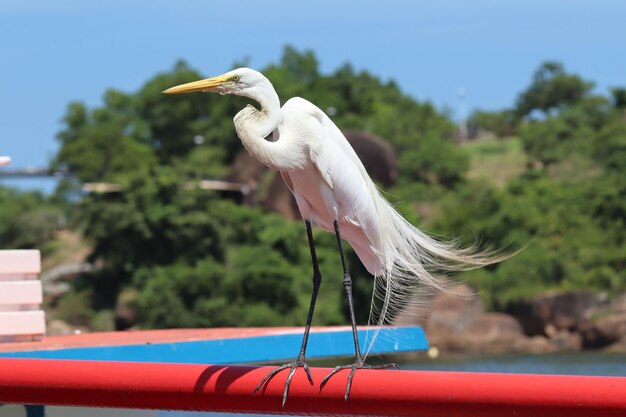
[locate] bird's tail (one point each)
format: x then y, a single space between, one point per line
414 264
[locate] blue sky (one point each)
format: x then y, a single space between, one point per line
54 52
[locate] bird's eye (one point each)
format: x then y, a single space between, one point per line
235 78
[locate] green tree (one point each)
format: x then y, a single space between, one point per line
27 219
183 295
433 161
153 221
175 123
572 235
98 145
552 88
619 97
572 131
609 148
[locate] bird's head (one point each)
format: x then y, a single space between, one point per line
240 81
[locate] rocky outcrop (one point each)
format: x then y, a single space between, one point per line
457 322
571 319
604 331
552 322
563 310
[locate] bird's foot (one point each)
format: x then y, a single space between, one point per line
300 362
358 364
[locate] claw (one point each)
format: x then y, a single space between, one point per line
288 384
308 373
270 375
359 364
300 362
333 372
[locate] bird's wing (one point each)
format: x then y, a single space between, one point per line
334 158
322 164
328 145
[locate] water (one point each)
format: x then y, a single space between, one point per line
607 364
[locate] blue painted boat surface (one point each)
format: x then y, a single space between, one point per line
280 346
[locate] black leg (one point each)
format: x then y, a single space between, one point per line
317 281
347 284
359 362
301 361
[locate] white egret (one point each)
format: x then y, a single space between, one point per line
333 190
4 160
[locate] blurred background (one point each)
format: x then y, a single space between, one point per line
502 123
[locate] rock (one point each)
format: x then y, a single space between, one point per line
455 311
563 340
617 347
563 310
450 317
457 322
495 326
496 333
604 331
535 345
492 333
613 327
378 155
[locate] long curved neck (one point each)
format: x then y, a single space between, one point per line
253 125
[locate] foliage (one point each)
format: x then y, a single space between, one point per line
564 229
573 131
433 161
264 279
619 97
501 123
98 145
570 222
75 308
552 88
27 219
609 148
551 91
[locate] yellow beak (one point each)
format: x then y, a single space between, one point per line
209 84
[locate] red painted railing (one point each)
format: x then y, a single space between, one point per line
230 388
